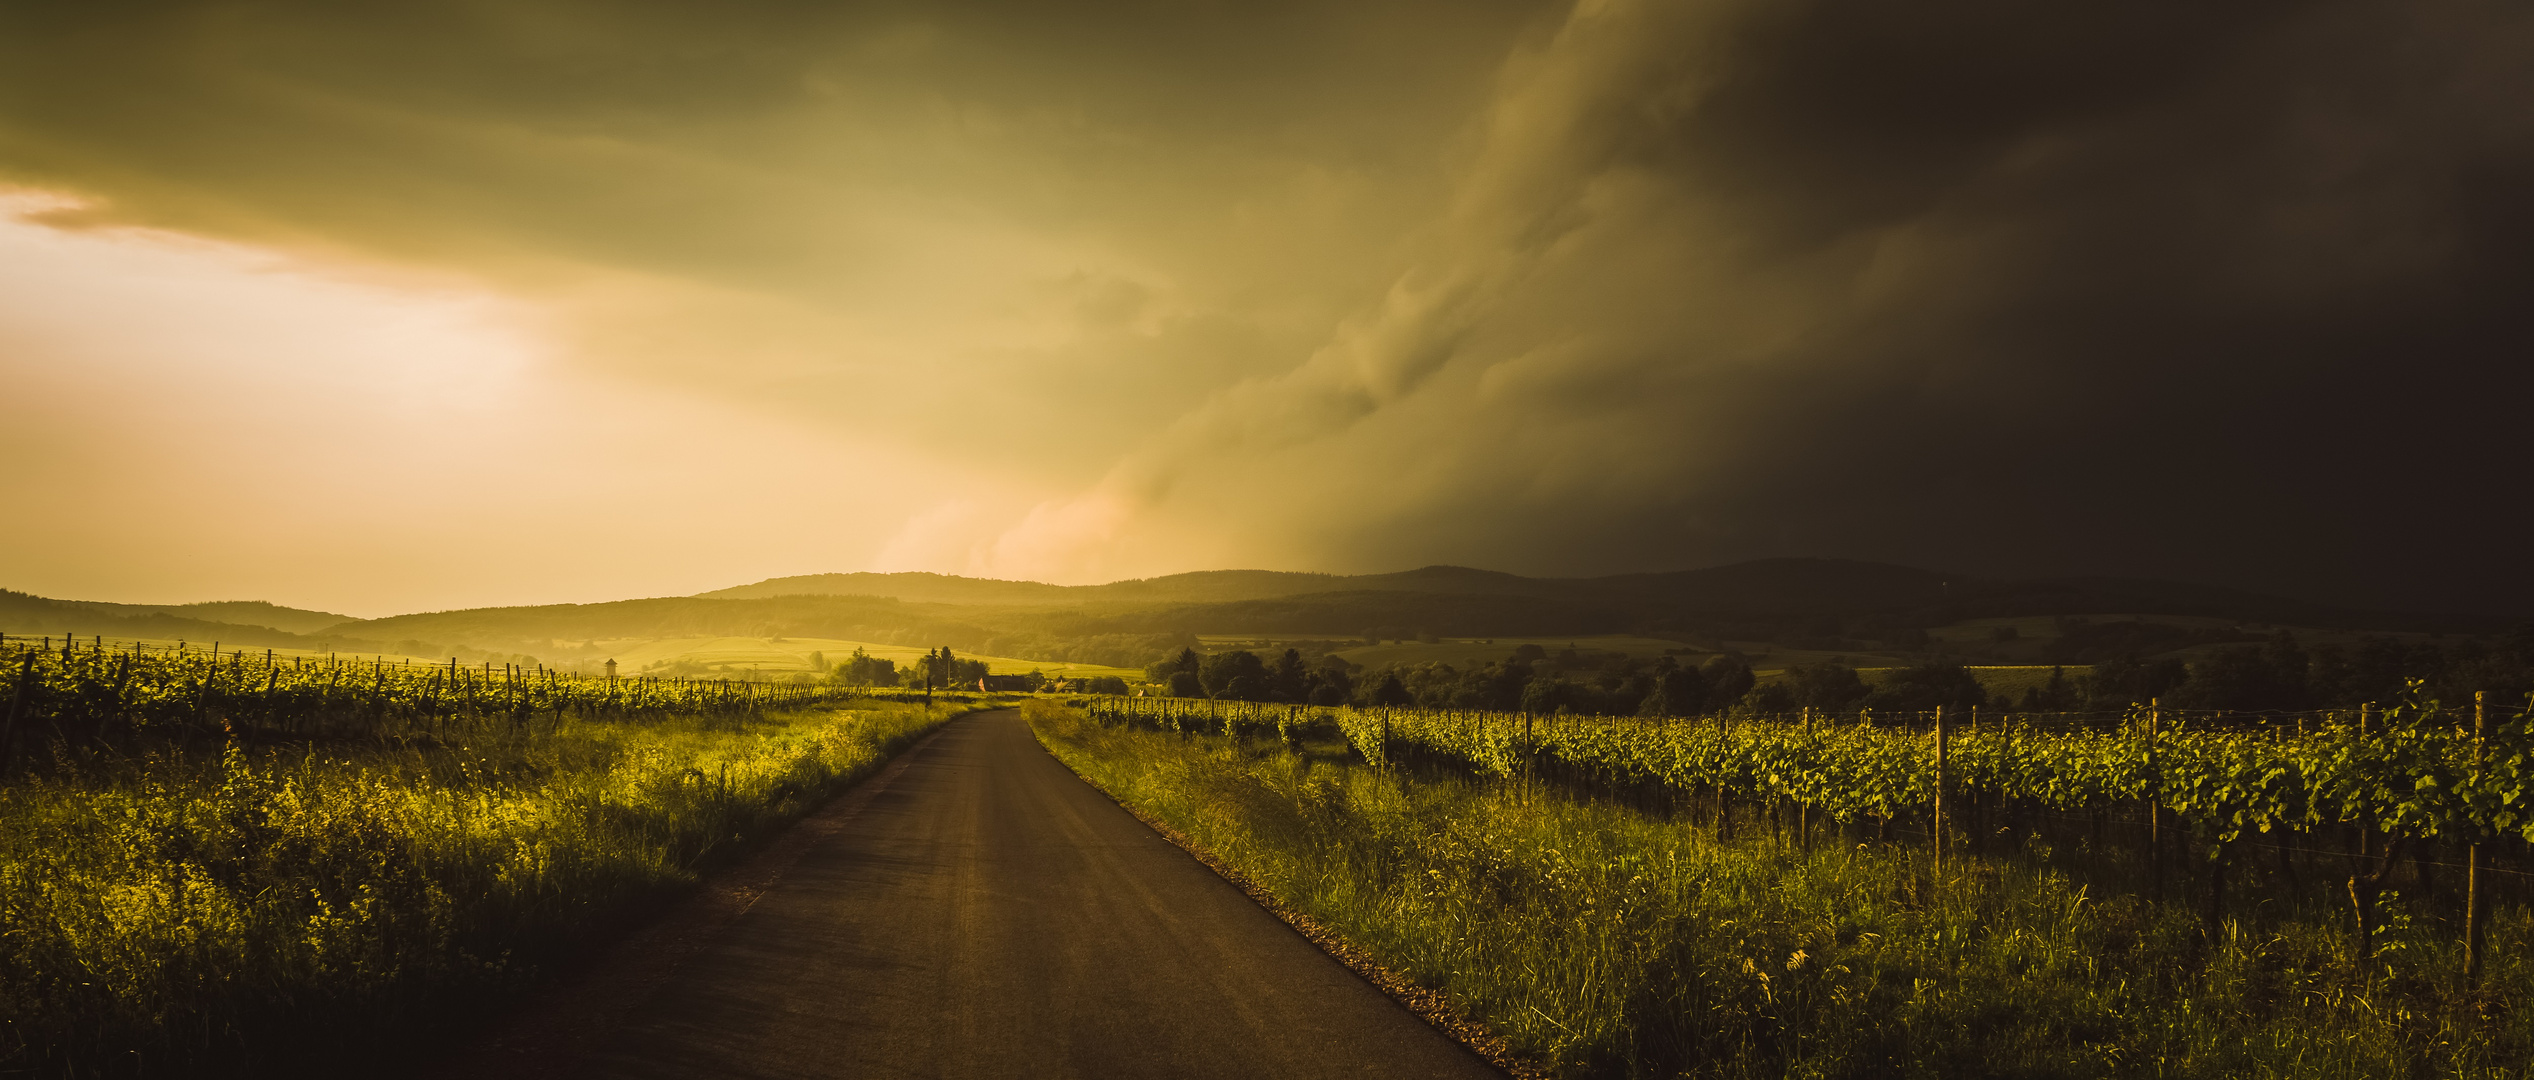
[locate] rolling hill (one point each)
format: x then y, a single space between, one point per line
233 622
1767 594
1823 604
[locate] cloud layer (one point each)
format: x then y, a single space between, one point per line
2143 289
2215 293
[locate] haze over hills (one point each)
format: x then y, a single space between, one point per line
1761 589
244 622
1830 603
1770 586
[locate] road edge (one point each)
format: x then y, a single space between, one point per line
550 1031
1430 1005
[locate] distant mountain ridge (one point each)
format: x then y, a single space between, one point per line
1763 588
1765 600
920 587
225 621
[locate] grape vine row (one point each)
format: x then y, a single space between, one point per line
2418 768
87 692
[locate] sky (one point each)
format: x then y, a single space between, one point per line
379 308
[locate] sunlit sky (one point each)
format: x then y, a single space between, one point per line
381 310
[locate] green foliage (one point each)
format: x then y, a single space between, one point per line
1728 677
1831 687
287 904
1104 684
864 669
1605 943
941 669
84 695
1677 691
2412 774
1224 671
1925 687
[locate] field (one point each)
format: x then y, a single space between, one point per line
227 867
1625 899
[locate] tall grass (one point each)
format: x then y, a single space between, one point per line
248 908
1606 942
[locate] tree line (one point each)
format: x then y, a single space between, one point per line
940 669
2276 675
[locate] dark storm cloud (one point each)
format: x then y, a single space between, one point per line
2223 292
2243 298
2227 292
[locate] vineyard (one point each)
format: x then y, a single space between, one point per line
78 694
2418 783
219 862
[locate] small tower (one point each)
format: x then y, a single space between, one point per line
611 671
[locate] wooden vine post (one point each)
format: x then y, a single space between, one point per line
1804 807
1529 752
1724 804
2155 805
17 705
2363 710
1939 814
2473 913
2366 882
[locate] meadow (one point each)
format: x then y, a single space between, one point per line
203 874
1607 934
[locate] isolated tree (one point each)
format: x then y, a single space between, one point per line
864 669
1188 660
1334 676
1824 686
2057 695
1771 698
1543 696
1290 679
2268 676
2130 681
1390 691
1923 688
1221 668
1677 691
1728 678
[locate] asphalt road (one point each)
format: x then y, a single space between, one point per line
985 913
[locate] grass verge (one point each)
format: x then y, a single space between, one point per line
291 908
1603 942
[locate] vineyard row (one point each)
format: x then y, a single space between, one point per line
2414 769
97 692
2402 779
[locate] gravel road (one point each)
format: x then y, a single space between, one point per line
979 911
